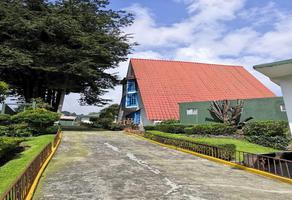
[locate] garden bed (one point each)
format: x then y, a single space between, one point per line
9 147
12 169
240 144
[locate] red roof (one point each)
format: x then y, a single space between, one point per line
164 84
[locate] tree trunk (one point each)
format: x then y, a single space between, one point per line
61 101
49 97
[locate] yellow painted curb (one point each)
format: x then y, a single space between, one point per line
38 177
252 170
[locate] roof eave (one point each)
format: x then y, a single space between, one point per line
276 70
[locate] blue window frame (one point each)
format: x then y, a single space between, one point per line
131 87
135 116
131 100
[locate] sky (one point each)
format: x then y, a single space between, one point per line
239 32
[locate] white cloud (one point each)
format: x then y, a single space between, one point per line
214 10
263 15
148 34
203 15
276 43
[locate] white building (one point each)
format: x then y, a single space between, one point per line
281 74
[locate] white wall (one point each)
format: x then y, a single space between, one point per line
144 120
286 85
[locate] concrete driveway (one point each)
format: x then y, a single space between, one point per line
113 165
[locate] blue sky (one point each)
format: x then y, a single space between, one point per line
241 32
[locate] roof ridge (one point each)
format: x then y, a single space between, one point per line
181 61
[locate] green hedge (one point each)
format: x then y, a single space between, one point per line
106 123
268 133
170 121
269 128
171 128
211 129
5 119
202 129
51 130
36 117
4 130
227 150
38 121
116 127
150 128
8 146
167 128
19 130
276 142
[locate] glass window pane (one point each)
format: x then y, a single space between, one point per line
192 111
131 85
131 99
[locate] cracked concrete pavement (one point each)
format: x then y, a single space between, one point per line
112 165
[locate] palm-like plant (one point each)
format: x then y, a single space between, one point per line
224 112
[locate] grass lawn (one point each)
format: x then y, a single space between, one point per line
12 169
241 145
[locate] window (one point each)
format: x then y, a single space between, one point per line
131 100
131 86
192 111
135 117
282 108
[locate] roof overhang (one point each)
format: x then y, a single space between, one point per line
276 70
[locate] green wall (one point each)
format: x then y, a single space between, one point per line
66 123
259 109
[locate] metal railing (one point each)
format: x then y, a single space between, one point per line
20 188
57 138
277 166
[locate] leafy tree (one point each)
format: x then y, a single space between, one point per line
110 112
49 49
4 88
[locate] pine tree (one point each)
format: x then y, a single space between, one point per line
49 49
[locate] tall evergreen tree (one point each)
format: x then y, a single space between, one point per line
49 49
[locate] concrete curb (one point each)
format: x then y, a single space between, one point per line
38 177
254 171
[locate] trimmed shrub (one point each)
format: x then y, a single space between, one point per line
189 130
38 119
269 128
276 142
94 125
8 146
5 119
227 151
171 128
3 130
170 121
19 130
116 127
51 130
149 128
211 129
268 133
104 123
